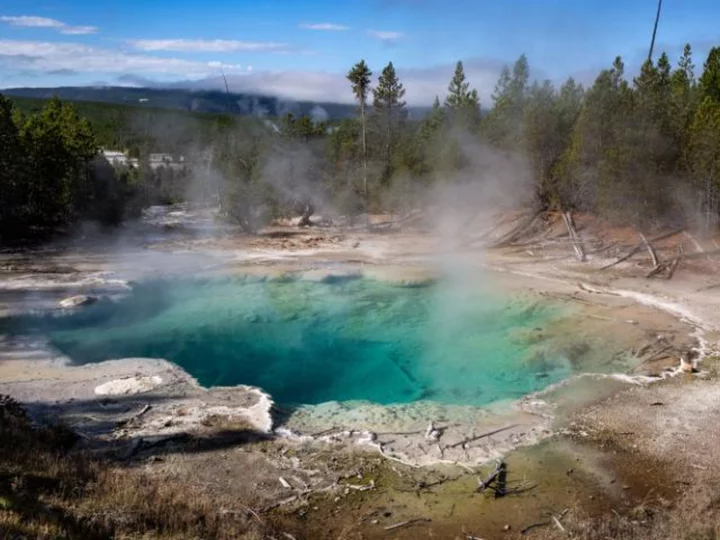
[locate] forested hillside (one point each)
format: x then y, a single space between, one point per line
199 101
135 129
644 151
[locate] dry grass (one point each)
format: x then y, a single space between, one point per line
695 517
49 491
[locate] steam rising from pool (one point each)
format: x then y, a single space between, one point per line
312 342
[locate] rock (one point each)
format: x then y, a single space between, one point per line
128 386
77 301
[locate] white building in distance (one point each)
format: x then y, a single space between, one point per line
117 158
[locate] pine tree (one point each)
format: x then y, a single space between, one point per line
389 110
519 82
704 140
434 120
504 123
592 173
710 79
461 101
686 69
11 167
683 105
542 138
704 157
359 76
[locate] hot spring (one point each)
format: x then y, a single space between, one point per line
309 342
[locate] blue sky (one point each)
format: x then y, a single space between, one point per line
302 49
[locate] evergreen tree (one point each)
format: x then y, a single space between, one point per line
592 168
462 102
704 156
704 141
683 105
543 140
710 79
389 111
359 77
504 123
11 167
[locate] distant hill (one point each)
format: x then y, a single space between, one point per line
209 101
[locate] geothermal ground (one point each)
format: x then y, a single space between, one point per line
623 427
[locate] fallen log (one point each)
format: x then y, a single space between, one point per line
577 244
632 252
639 247
670 266
483 235
517 232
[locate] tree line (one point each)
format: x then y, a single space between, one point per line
643 151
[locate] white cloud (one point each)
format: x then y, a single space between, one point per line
32 22
46 57
205 45
422 85
27 21
325 26
78 30
386 35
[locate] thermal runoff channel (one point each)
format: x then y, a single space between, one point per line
312 342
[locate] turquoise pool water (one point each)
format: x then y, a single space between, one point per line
308 342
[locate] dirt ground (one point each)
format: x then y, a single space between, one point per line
641 442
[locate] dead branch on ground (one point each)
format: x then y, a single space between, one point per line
534 526
407 523
478 437
362 487
131 419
